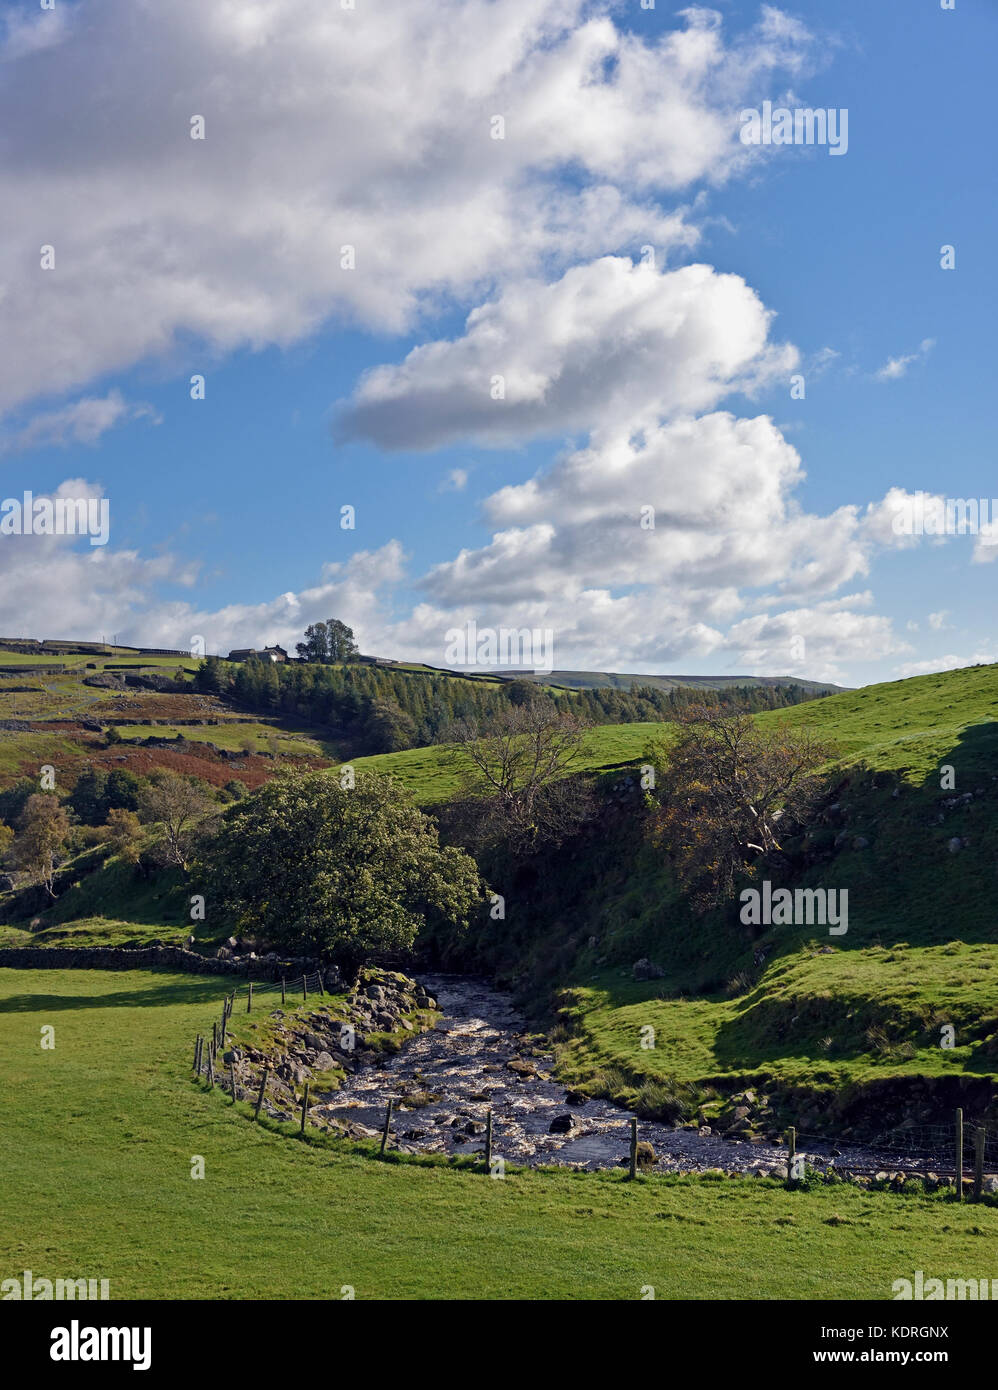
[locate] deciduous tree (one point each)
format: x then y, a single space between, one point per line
515 764
312 866
179 805
41 839
729 790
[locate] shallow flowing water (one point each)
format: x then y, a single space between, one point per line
464 1060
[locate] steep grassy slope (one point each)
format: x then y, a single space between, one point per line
59 720
106 1125
913 726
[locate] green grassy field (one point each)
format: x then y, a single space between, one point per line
434 774
98 659
259 736
910 727
22 751
101 1132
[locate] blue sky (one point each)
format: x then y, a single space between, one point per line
221 257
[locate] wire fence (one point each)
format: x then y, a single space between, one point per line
206 1050
917 1147
302 986
962 1152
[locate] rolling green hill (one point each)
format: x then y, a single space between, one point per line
433 775
612 680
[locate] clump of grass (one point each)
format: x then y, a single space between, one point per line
416 1100
668 1101
880 1042
739 984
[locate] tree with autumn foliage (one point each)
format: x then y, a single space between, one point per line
731 791
40 843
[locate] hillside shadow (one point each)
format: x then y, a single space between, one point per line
917 858
201 989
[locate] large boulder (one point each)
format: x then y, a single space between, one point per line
563 1124
645 969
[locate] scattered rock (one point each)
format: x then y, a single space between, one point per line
563 1124
645 969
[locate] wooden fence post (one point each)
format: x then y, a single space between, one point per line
197 1052
488 1142
214 1038
232 1080
283 990
322 991
634 1150
304 987
211 1072
304 1109
791 1154
263 1088
388 1125
980 1134
959 1155
249 996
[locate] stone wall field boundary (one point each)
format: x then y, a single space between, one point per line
142 957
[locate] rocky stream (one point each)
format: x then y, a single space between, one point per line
479 1057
